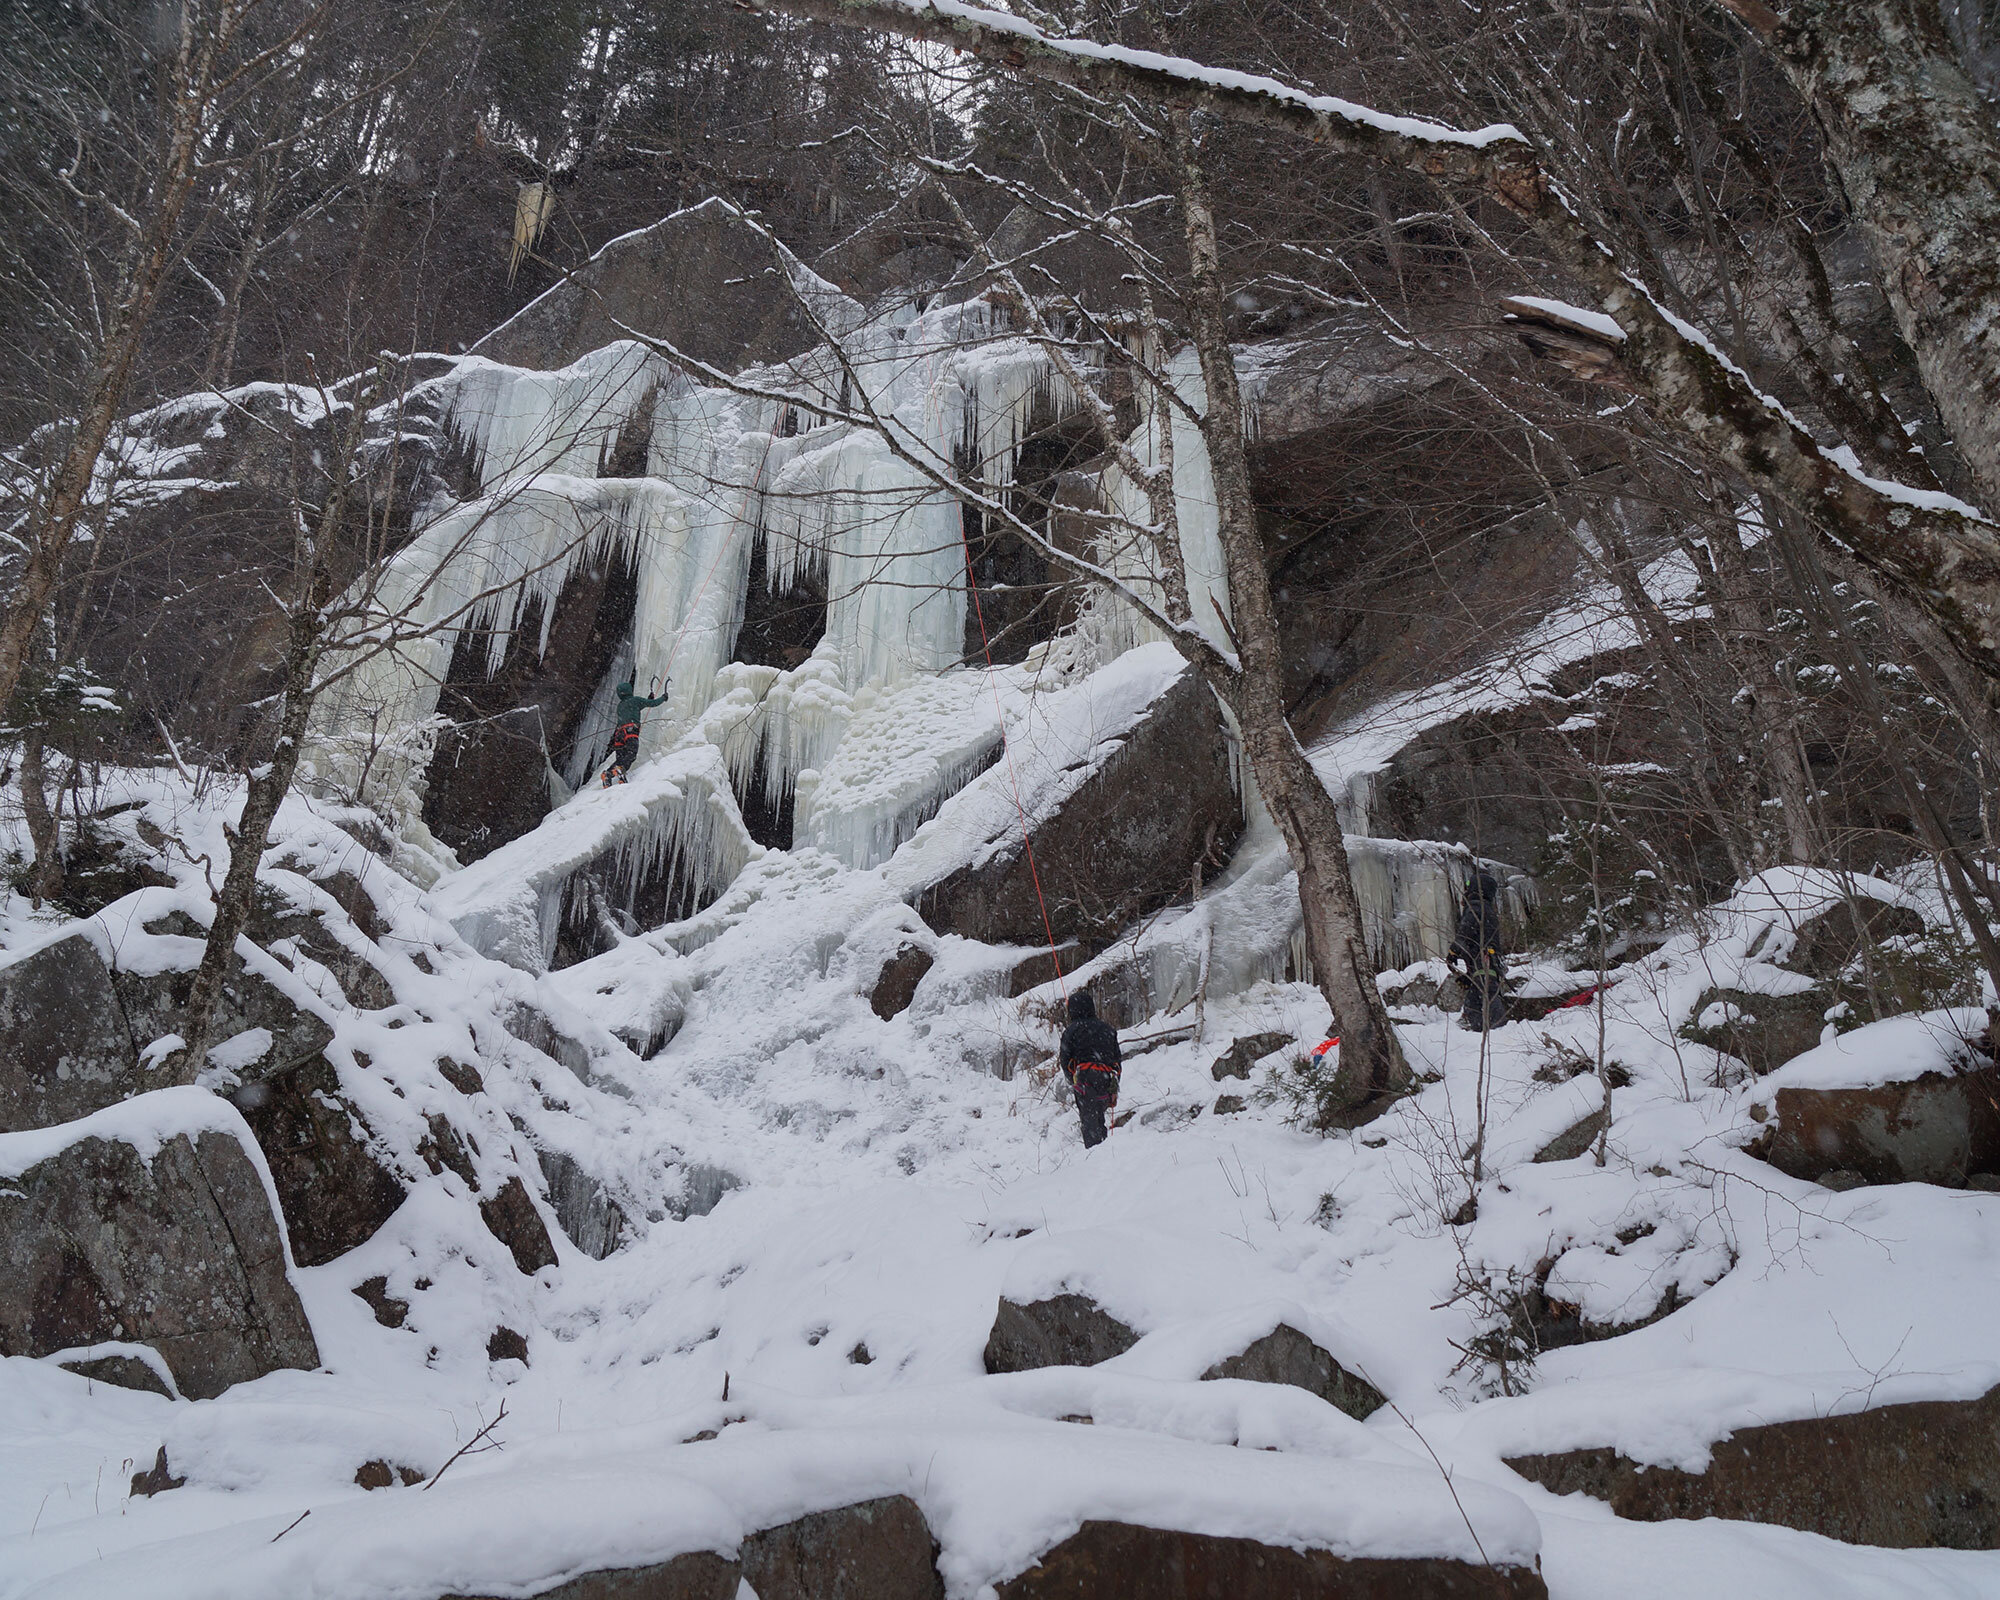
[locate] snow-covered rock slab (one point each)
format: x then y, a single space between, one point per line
1925 1474
1121 783
676 815
152 1222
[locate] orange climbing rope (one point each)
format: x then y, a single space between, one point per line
1013 781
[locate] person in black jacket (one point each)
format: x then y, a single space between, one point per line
1090 1059
1478 948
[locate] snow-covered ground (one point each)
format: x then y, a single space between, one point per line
888 1187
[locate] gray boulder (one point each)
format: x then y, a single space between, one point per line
1065 1330
1284 1355
874 1550
1933 1129
181 1253
1243 1054
65 1049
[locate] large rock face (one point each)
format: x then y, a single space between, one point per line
703 280
65 1050
1922 1475
1122 845
874 1550
1134 1563
180 1252
1933 1129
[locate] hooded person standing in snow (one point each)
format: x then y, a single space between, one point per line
1478 949
1090 1059
625 735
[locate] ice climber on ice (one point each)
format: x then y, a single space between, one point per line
1477 949
625 734
1090 1059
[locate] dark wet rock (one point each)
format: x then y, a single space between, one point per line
700 1575
1066 1330
703 280
511 1217
874 1550
464 1079
897 984
441 1148
336 1191
1115 849
1578 1139
584 1208
65 1049
1135 1563
1933 1129
381 1474
506 1345
389 1311
1227 1105
181 1253
1285 1355
487 781
156 1479
123 1372
1925 1475
1243 1054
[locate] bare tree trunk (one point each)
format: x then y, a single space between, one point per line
269 783
1747 635
43 828
1372 1061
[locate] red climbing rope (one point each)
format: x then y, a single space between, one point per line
1013 781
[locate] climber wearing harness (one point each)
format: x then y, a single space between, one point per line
625 737
1090 1059
1478 949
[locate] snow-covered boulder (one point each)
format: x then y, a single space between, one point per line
1926 1474
873 1550
1907 1100
152 1223
1144 1563
1124 782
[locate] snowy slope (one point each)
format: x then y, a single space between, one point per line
890 1187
